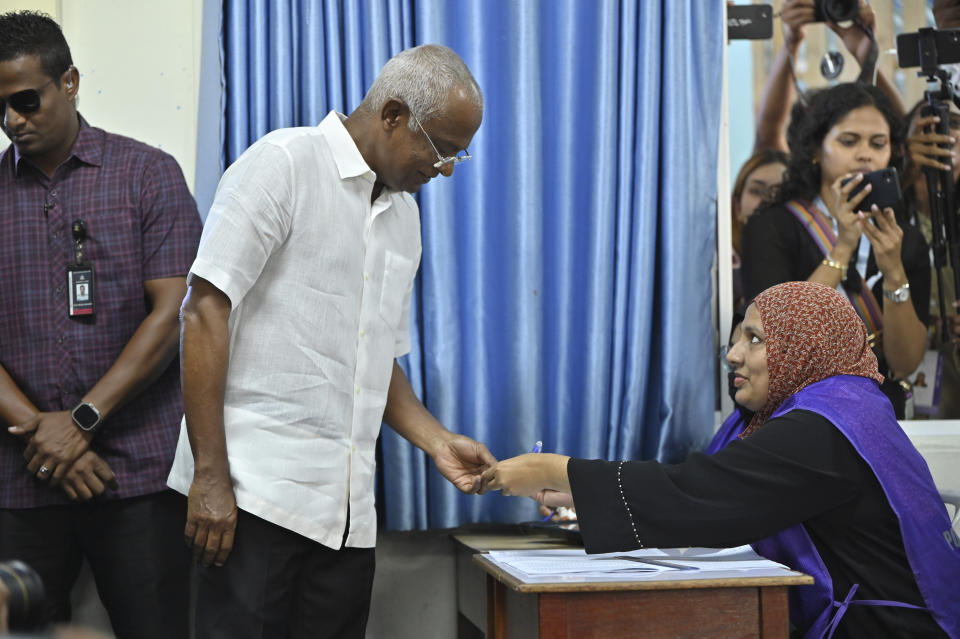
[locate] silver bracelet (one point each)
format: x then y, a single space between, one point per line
625 504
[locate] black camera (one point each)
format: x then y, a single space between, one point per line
26 601
835 10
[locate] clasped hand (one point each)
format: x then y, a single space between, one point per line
53 442
61 450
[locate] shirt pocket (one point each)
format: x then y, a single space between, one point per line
397 281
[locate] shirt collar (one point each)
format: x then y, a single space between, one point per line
88 147
345 152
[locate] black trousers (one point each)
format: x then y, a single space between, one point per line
277 584
135 550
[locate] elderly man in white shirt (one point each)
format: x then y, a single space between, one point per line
298 305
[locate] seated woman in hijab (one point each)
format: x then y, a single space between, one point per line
821 479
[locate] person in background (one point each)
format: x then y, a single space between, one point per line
941 152
89 389
780 91
755 185
946 14
298 306
773 114
815 231
821 478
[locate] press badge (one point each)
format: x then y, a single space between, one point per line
926 383
80 281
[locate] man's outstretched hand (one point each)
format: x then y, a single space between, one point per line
462 461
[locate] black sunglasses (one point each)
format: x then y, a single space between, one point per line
23 102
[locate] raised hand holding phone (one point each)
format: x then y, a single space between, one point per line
883 191
886 239
843 208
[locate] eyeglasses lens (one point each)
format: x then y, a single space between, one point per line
726 366
23 102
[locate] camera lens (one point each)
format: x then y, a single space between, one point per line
840 10
26 600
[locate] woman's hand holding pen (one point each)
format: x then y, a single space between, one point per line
529 474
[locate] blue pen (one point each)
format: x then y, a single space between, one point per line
536 449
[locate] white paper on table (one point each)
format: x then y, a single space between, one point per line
560 562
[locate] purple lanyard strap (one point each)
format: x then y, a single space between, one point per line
848 601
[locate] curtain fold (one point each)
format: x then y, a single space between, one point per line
565 288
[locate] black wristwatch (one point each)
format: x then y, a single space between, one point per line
86 417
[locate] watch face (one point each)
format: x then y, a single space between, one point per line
85 416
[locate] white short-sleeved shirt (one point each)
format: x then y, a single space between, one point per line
320 281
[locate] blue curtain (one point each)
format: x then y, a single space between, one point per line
565 292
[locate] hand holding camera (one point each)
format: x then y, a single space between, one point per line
933 144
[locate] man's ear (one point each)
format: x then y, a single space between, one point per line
394 113
71 81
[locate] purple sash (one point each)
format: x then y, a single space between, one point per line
728 431
862 413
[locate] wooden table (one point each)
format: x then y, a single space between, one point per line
669 605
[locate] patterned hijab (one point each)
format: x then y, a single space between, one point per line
811 333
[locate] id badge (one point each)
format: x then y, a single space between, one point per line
926 383
80 288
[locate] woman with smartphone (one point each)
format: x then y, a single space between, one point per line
820 229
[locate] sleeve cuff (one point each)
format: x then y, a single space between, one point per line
217 277
601 514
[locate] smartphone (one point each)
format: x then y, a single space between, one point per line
885 192
749 22
934 49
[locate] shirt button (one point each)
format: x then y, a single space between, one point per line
363 332
366 276
60 340
358 390
59 290
57 235
53 193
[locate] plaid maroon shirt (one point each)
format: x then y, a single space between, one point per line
142 224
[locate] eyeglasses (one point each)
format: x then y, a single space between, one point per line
726 366
442 161
23 102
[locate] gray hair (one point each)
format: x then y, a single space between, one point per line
422 77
